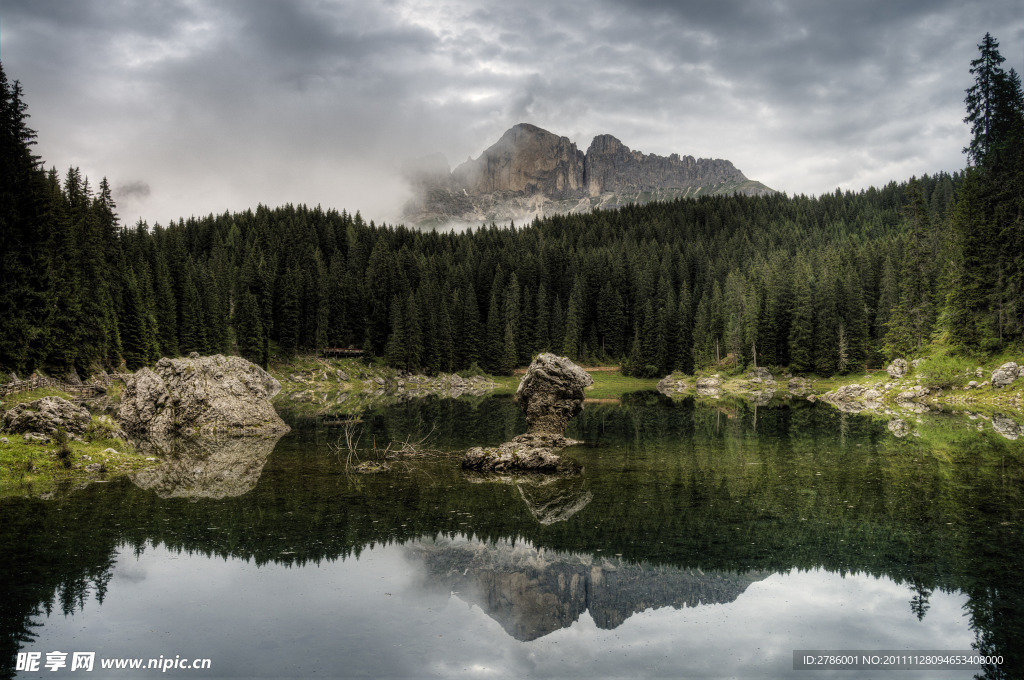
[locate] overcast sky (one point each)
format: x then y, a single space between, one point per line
192 107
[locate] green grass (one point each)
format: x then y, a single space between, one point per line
607 384
32 468
612 385
12 400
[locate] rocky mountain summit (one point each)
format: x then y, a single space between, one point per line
531 172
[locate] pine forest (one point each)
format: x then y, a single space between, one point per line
823 285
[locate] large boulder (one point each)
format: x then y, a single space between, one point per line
897 369
46 415
1005 374
551 393
214 395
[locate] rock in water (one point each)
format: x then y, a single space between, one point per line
535 452
551 393
214 395
46 415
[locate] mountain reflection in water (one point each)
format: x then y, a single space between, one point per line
532 592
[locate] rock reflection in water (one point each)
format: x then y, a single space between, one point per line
205 467
549 499
532 592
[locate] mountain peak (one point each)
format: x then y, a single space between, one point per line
531 172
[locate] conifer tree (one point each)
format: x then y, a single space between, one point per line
801 332
573 338
541 328
251 335
395 352
685 341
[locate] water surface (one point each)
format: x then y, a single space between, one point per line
700 541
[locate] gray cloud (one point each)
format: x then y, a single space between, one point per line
136 189
227 104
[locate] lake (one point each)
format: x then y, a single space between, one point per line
701 540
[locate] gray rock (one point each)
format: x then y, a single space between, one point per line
531 452
872 395
46 415
35 437
709 387
897 369
912 395
1005 374
551 393
845 393
3 440
670 386
200 395
971 385
762 374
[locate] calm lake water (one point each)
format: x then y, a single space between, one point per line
700 541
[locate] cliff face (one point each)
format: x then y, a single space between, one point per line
612 167
525 160
531 172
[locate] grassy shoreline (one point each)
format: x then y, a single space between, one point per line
314 387
33 468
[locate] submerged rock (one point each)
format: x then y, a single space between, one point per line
212 395
551 394
46 415
534 452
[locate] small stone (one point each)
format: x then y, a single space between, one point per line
35 437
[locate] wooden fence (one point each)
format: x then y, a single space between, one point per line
98 385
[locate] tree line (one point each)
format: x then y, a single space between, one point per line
819 284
